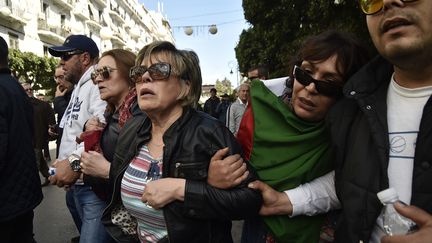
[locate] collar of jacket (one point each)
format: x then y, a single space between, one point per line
369 78
5 71
176 126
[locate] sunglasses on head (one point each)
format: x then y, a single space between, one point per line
157 71
327 88
67 55
374 6
104 72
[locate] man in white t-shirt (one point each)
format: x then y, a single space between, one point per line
381 131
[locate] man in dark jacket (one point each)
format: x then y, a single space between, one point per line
43 117
20 190
382 130
211 103
62 97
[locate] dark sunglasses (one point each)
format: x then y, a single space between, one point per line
157 71
374 6
327 88
104 72
67 55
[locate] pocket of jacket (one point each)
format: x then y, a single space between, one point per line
193 171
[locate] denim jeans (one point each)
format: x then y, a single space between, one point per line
90 209
70 203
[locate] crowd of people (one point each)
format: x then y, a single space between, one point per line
140 162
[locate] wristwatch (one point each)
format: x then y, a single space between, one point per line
74 163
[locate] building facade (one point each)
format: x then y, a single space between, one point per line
35 25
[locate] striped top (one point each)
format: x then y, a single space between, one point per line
142 169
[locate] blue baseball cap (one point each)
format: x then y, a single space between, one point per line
75 42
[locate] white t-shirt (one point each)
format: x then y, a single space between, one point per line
404 112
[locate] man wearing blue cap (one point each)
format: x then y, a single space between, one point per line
78 54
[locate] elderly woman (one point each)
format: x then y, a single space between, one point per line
160 184
291 144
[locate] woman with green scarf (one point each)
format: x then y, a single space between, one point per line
286 139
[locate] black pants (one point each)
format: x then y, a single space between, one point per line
18 230
41 163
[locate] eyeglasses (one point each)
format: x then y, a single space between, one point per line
60 77
104 72
157 71
67 55
370 7
327 88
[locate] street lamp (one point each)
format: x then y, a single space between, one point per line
233 64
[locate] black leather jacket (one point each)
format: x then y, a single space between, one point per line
206 213
360 134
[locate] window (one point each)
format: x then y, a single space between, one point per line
45 50
13 41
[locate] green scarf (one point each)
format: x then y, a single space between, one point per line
287 152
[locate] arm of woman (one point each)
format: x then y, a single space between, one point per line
95 168
202 200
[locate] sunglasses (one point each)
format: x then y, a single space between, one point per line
157 71
327 88
67 55
104 72
370 7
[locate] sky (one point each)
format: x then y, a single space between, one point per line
216 52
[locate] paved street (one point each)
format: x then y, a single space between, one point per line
53 223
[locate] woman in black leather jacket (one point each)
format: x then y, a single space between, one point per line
160 167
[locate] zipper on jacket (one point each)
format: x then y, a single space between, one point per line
179 165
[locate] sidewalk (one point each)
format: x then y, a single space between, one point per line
52 221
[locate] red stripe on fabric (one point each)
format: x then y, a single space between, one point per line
245 132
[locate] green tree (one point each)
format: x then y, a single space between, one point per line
278 27
223 86
30 68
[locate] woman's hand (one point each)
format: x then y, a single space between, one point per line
228 172
160 192
274 202
95 164
421 218
93 124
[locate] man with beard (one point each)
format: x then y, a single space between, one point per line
78 55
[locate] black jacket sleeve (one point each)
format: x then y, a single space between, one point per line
204 201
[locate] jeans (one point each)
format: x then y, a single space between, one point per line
90 209
70 203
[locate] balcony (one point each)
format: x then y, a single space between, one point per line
102 3
13 13
116 16
117 40
81 13
93 23
65 4
52 33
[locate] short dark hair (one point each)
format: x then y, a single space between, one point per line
4 52
262 70
213 90
351 53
